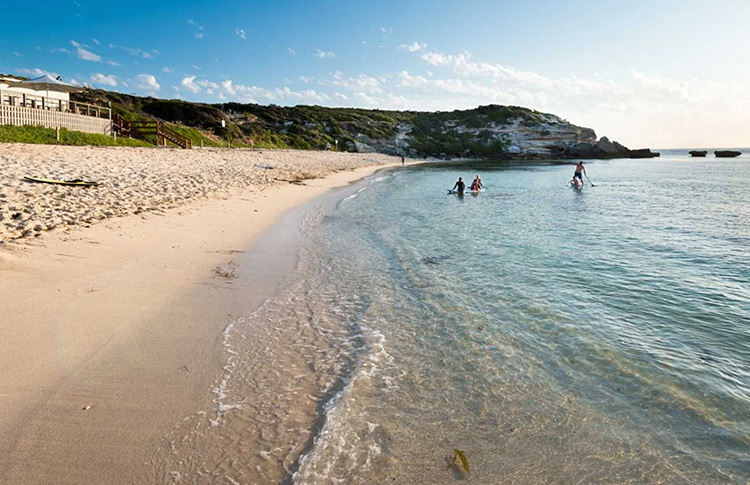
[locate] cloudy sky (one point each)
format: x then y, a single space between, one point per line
658 73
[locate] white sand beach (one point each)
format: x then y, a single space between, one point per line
113 298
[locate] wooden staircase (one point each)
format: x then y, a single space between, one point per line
150 131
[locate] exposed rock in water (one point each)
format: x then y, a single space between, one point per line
604 148
698 153
727 153
643 153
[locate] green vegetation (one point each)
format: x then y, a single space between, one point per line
196 136
39 134
460 133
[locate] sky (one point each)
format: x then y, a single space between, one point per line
656 74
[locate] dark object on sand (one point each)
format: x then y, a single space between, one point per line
74 182
727 153
460 456
698 153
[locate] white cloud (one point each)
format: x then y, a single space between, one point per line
240 32
469 89
35 72
95 41
227 87
304 79
413 47
324 54
136 52
660 86
291 51
209 86
198 29
464 65
386 31
87 55
82 52
362 83
188 83
100 78
147 82
167 69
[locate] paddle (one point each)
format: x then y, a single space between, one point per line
587 178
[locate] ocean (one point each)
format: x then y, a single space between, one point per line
552 335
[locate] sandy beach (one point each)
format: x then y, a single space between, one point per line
114 298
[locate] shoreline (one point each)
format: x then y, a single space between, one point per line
115 330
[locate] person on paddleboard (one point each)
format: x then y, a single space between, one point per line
476 184
460 185
579 173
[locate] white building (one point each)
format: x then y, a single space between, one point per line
45 101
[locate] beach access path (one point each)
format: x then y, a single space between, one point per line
112 333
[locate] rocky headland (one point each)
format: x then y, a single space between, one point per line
485 132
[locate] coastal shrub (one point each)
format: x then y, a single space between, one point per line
312 127
42 135
196 136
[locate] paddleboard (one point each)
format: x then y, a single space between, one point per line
76 182
453 192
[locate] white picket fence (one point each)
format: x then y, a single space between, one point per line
21 116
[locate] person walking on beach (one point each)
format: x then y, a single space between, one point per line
579 173
402 160
460 185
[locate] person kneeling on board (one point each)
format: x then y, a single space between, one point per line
476 184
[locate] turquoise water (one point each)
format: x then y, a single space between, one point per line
554 335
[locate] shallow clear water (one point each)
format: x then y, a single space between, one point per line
554 335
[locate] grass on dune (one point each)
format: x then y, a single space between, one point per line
39 134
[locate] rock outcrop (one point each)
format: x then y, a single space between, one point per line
698 153
727 153
643 153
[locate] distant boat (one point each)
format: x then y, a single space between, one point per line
727 153
698 153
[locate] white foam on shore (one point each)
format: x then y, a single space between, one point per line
221 390
362 189
340 442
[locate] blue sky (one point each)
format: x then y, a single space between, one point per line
661 73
